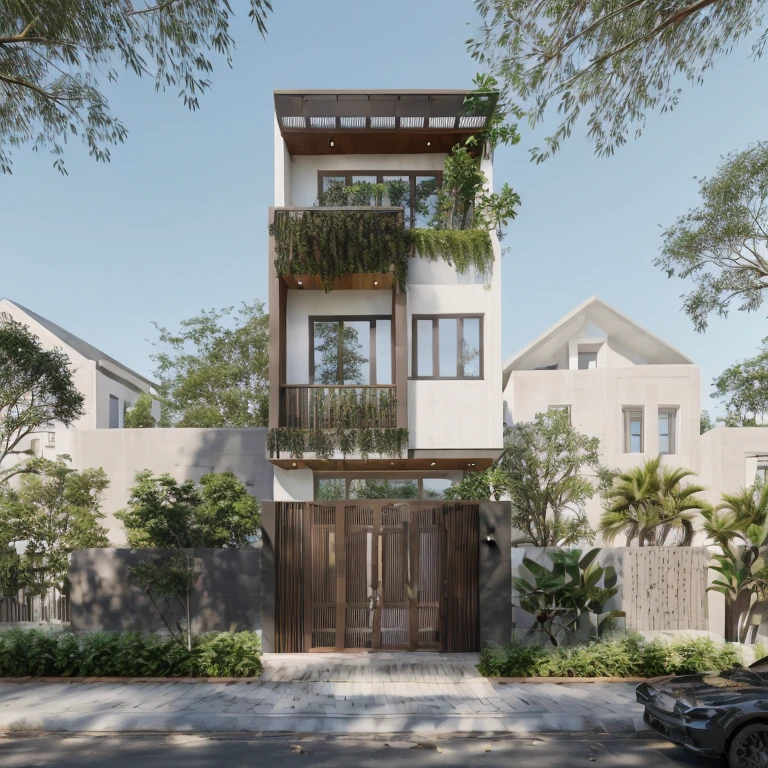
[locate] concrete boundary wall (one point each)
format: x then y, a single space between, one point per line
226 594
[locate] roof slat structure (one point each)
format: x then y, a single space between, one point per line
377 122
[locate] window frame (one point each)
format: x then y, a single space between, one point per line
372 348
410 216
566 408
117 411
436 346
350 477
671 411
627 412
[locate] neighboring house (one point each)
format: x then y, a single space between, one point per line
640 396
109 387
429 356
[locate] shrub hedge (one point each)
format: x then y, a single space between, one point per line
127 654
628 657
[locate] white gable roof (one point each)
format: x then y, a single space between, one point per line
598 318
83 348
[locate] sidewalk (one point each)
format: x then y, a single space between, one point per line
328 693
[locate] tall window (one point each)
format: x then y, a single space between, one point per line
114 412
351 350
448 347
761 476
667 430
415 191
633 430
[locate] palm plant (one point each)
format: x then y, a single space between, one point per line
648 503
739 525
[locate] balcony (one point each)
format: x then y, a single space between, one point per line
340 247
318 406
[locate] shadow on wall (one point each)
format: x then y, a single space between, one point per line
226 594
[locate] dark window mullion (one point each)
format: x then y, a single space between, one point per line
372 355
459 337
340 361
435 348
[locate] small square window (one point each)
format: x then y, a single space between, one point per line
587 360
566 408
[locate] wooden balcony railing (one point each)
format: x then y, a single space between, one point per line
320 406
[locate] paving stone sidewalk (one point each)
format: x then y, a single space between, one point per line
328 693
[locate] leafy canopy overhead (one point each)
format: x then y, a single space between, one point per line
743 388
614 60
722 244
36 390
56 55
214 371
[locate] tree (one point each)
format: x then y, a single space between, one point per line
721 244
744 389
650 502
546 463
36 390
216 513
52 55
140 416
705 422
739 526
213 373
55 511
613 59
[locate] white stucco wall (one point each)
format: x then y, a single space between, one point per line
597 398
186 454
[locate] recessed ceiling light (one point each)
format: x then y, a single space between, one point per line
294 464
429 143
299 282
331 143
375 282
434 463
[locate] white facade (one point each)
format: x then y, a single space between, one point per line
449 420
108 387
608 370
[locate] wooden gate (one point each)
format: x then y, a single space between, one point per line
377 575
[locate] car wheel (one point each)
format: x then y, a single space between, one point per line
749 748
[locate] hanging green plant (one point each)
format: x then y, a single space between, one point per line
458 247
332 243
324 443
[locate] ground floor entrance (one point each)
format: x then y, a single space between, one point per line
376 575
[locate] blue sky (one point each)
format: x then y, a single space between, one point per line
177 221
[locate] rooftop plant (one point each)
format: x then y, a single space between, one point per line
295 441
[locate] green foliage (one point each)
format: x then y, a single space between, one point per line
650 502
36 388
485 99
214 371
295 441
744 389
364 193
56 510
127 654
474 486
739 526
628 657
54 54
460 248
545 463
217 513
705 422
721 244
573 588
335 243
609 62
140 416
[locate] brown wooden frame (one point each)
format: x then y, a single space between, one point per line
436 349
372 361
411 216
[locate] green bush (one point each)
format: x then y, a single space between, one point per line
127 654
628 657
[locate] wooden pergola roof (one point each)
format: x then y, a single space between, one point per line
377 122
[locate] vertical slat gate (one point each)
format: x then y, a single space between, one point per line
462 526
289 582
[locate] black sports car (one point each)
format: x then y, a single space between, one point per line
714 714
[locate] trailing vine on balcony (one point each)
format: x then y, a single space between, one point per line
324 443
332 243
458 247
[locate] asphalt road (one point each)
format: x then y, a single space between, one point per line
191 751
